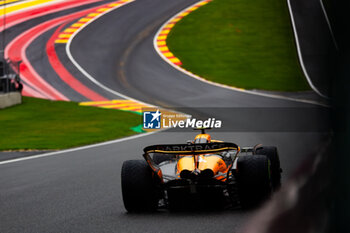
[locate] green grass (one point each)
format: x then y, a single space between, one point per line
248 44
44 124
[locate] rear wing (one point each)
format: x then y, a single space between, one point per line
185 149
191 149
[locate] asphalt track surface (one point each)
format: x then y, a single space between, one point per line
317 42
79 191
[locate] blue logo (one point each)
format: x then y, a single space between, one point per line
152 120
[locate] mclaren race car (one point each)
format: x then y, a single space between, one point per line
203 173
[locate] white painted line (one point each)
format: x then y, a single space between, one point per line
29 7
79 148
23 19
90 77
84 72
329 24
15 3
275 96
299 52
127 97
98 84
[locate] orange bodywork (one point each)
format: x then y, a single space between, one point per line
202 162
205 136
212 162
186 163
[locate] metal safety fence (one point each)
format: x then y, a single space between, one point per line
9 80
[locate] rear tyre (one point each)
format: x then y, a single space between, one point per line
159 158
272 154
253 178
139 188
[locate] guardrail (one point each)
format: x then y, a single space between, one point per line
9 80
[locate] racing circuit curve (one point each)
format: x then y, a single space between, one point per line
79 190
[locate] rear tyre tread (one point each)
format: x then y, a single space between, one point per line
254 183
272 154
139 188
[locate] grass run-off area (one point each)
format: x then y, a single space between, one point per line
247 44
44 124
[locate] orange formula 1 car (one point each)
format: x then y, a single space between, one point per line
203 173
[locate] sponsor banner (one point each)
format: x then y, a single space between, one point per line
163 119
306 119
